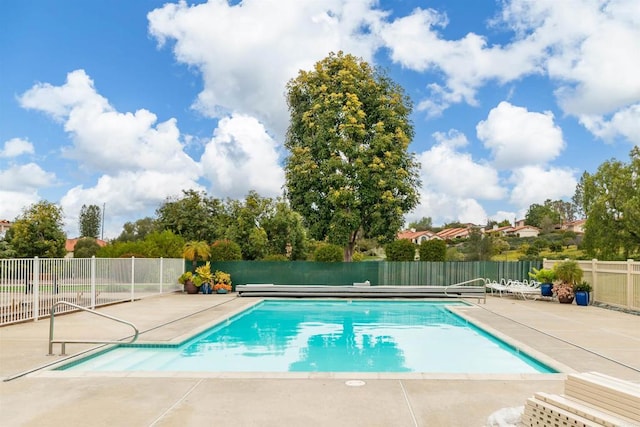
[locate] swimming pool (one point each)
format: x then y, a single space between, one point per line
329 336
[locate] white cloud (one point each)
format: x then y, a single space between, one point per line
452 182
141 161
468 63
19 185
105 140
16 147
125 195
625 123
585 46
519 137
240 157
248 51
532 184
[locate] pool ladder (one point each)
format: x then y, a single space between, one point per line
64 342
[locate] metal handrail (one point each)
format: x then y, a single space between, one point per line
64 342
462 285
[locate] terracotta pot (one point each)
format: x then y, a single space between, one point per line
190 288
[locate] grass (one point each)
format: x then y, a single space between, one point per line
568 252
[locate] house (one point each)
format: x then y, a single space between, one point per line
70 245
524 231
454 233
498 231
576 226
4 226
417 237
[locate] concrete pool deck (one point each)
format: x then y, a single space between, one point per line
580 338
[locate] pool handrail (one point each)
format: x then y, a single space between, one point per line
466 285
64 342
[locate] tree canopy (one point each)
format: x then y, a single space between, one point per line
610 199
38 232
90 221
349 170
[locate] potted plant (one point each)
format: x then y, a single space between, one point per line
568 275
206 276
544 276
582 293
188 280
222 282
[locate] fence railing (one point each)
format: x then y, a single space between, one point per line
616 283
29 287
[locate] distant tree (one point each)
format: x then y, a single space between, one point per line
225 250
400 250
539 214
6 250
500 245
246 228
611 200
38 232
86 247
421 225
478 247
163 244
123 250
349 172
90 220
433 250
504 223
138 230
285 231
194 216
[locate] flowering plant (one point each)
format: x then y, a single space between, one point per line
222 280
219 286
563 290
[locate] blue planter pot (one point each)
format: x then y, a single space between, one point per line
206 288
546 290
582 298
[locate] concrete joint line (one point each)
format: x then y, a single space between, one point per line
184 396
406 399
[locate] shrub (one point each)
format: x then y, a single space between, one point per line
328 252
357 257
225 250
275 257
400 250
433 250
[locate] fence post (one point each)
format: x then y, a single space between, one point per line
93 282
594 278
133 276
36 288
629 283
161 273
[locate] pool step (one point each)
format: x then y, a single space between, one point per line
590 399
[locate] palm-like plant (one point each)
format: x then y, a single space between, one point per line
196 250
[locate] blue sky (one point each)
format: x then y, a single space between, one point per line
125 103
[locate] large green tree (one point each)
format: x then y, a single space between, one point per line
90 221
194 216
610 198
349 170
38 232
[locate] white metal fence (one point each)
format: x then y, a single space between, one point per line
616 283
30 286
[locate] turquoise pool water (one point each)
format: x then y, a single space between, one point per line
329 336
